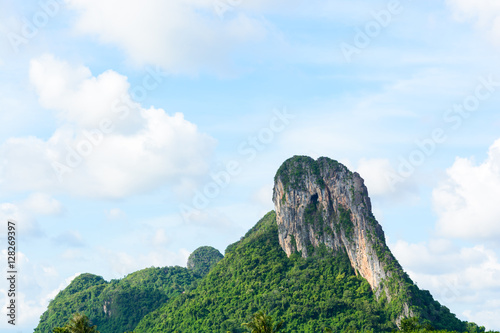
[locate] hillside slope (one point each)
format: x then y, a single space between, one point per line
119 305
255 274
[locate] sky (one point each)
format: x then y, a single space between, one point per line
133 132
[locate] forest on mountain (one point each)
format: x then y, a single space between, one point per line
314 294
319 263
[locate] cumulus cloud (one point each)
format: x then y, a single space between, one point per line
106 144
77 96
484 13
181 36
461 278
467 201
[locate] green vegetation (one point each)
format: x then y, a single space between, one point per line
320 293
307 294
119 305
293 171
203 259
345 222
79 323
312 214
262 323
415 324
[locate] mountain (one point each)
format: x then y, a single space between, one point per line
319 261
119 305
320 202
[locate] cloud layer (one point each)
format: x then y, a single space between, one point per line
467 201
484 13
461 278
106 145
181 36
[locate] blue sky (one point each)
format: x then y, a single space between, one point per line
133 132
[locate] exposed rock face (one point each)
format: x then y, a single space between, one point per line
107 308
322 202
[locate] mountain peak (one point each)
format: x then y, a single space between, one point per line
322 202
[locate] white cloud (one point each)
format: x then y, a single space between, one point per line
25 212
80 98
42 204
381 179
484 13
438 256
375 174
106 144
181 36
467 201
121 263
465 279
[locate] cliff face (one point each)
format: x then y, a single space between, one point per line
322 202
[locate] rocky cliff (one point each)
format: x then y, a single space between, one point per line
322 202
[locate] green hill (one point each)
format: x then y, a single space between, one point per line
308 294
203 259
119 305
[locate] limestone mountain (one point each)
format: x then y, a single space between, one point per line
320 202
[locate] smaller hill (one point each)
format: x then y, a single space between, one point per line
203 259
